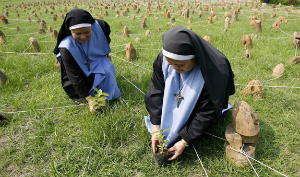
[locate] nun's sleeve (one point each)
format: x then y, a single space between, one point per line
106 29
200 120
74 73
154 96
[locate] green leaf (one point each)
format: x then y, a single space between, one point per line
93 104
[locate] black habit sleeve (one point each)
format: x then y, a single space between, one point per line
201 118
81 83
74 73
154 96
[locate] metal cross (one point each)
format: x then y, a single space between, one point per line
179 98
88 65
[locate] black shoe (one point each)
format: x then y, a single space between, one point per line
3 119
79 101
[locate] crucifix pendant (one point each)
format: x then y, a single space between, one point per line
179 98
88 65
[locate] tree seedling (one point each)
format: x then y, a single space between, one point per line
99 98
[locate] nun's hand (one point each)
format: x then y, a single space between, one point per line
155 135
90 102
176 150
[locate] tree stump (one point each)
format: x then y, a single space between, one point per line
273 15
34 44
246 41
239 159
158 28
168 14
253 89
295 59
278 70
125 32
248 54
54 34
296 39
234 139
130 52
276 25
137 40
207 38
244 119
148 33
280 20
3 78
257 25
41 31
143 25
43 24
209 20
2 38
227 20
172 19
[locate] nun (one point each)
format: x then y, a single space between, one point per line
189 90
82 49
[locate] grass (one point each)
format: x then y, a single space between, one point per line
69 141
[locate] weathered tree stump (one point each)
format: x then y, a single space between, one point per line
158 28
41 31
207 38
3 78
49 29
257 25
148 33
209 20
244 119
273 15
280 20
234 139
295 59
227 20
296 39
143 25
54 34
248 54
130 52
278 70
253 89
276 25
172 19
239 159
125 32
246 41
18 28
34 44
137 40
2 38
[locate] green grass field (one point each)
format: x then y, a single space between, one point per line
49 136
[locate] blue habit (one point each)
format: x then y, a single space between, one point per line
96 49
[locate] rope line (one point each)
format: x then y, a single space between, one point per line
45 109
26 53
282 31
200 161
242 150
258 161
270 86
132 63
131 83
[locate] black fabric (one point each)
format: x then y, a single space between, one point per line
219 84
177 44
74 17
73 81
202 115
214 66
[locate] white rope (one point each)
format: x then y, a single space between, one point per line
272 79
132 63
27 53
242 150
212 24
131 83
21 34
270 86
27 47
282 31
44 109
258 161
200 161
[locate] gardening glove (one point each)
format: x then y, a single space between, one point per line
176 150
